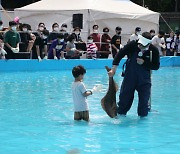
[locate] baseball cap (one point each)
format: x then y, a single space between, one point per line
118 28
138 29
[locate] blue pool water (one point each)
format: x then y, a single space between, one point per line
36 116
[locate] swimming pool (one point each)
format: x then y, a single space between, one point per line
36 116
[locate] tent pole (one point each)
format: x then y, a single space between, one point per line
88 22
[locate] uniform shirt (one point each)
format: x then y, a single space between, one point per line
58 46
133 37
132 49
12 38
80 102
157 42
170 43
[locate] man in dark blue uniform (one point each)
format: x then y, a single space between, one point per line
142 57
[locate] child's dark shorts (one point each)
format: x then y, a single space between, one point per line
82 115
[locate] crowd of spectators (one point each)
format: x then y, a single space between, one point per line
60 44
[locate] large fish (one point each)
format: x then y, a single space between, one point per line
108 102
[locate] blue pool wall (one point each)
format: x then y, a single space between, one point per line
55 65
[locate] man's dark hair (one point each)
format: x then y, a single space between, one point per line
45 32
71 37
41 23
64 25
12 23
1 22
55 24
95 26
78 70
118 28
90 37
152 31
147 35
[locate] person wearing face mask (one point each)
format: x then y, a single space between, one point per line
116 41
136 34
63 30
159 42
53 35
177 43
105 40
170 44
76 34
142 57
41 27
26 40
71 51
11 41
80 45
96 37
56 50
152 32
41 46
2 56
91 48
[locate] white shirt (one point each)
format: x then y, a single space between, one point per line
158 42
170 43
133 37
80 102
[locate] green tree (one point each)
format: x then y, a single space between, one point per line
160 5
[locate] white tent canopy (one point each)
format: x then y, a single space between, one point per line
105 13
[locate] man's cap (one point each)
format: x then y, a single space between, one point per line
64 25
118 28
145 38
138 29
12 23
106 29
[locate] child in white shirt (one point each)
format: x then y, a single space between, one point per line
80 93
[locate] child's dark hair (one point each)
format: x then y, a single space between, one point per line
78 70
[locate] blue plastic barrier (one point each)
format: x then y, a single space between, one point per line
55 65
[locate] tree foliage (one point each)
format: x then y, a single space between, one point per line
159 5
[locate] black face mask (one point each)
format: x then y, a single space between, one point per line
119 33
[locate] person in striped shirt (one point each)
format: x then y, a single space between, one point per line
91 48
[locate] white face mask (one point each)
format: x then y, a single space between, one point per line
138 33
64 28
76 32
95 31
90 41
14 28
61 40
152 34
1 27
56 29
41 28
44 37
24 29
